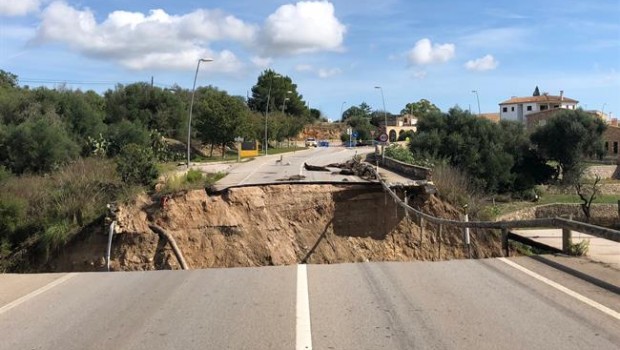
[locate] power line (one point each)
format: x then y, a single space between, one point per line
79 82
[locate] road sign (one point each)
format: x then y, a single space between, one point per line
355 134
372 133
383 137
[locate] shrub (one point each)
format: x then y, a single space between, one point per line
194 176
136 165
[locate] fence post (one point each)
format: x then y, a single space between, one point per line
505 246
407 204
421 229
439 239
566 240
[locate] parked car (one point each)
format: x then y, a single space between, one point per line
311 142
323 143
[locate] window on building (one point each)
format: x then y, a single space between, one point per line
512 109
615 147
556 106
505 109
543 107
529 108
606 146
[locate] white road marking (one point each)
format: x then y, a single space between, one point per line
33 294
250 174
303 339
563 289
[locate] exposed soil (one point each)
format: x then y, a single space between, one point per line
272 225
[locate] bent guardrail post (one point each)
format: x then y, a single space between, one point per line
173 244
505 246
602 232
107 254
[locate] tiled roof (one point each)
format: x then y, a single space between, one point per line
494 117
538 99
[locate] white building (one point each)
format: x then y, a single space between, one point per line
518 107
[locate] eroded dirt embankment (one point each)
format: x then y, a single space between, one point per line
273 225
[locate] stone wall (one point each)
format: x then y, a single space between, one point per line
412 171
603 171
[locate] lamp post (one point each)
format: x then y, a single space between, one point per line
385 120
284 104
341 107
267 107
384 111
191 105
286 99
477 99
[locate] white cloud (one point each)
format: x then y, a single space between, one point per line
262 62
322 73
307 26
304 68
18 7
487 62
424 52
327 73
498 38
139 41
420 74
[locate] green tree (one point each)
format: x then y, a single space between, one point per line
136 165
536 92
8 79
220 117
124 133
363 110
420 109
569 137
37 145
155 108
275 88
484 150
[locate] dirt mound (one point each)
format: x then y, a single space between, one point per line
273 225
323 131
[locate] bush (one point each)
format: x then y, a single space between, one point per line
404 155
193 176
136 165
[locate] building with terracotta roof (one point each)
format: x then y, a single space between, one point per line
517 108
494 117
611 139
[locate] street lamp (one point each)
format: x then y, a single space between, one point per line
385 120
191 105
384 111
286 99
478 99
267 107
341 107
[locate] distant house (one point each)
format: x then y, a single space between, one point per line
494 117
400 125
611 139
518 108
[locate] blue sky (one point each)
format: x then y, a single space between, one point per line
335 51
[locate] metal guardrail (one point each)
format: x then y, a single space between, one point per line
505 226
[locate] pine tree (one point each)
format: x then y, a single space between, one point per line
536 92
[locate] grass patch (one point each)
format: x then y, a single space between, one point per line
192 180
573 198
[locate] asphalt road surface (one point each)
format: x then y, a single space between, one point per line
278 168
466 304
